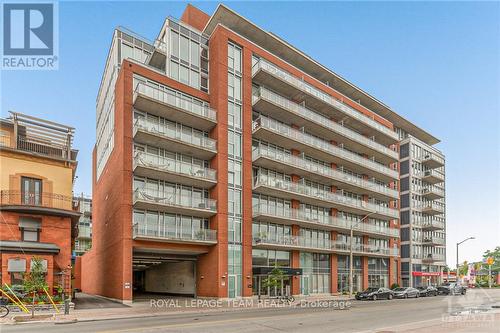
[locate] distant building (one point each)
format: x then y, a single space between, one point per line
37 214
84 240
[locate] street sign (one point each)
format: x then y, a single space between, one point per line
490 261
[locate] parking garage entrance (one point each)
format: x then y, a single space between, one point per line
161 273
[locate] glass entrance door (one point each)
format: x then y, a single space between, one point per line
232 286
304 285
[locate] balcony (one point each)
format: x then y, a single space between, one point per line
41 203
173 139
300 243
171 170
168 104
177 204
433 241
264 213
432 192
84 231
163 233
289 190
433 224
432 177
290 164
432 161
433 258
268 102
285 136
267 74
82 248
432 208
266 241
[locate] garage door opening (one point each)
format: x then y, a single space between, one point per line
159 274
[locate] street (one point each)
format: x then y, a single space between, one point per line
415 315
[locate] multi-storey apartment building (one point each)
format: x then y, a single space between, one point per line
37 215
423 223
223 152
84 240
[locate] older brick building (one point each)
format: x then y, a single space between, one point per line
222 152
37 216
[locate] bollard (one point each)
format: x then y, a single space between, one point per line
66 306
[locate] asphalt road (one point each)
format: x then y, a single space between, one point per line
411 315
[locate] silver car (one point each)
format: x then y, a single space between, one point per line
406 292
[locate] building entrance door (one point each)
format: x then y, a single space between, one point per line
304 285
232 286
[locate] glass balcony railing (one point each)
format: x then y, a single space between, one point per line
174 166
322 120
433 159
320 95
433 257
432 190
334 222
166 232
433 173
170 132
432 207
175 100
433 240
326 171
84 232
311 192
184 201
296 135
319 244
433 224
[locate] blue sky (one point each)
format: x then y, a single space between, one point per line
435 63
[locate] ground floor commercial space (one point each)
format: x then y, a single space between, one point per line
307 273
422 275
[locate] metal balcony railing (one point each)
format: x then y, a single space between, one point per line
320 95
323 170
166 232
157 197
34 199
175 133
296 135
432 257
334 222
190 105
171 165
321 120
305 190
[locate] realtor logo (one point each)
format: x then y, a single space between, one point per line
29 35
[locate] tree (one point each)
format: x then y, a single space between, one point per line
34 281
274 279
463 269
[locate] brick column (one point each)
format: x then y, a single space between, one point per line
333 267
364 261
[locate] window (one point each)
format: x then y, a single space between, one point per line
16 278
30 229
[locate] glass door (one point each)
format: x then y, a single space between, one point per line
232 286
31 191
304 285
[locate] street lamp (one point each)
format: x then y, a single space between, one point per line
457 252
350 250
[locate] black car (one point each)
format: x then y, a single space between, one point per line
452 289
428 291
375 293
406 292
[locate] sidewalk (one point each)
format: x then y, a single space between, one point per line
164 306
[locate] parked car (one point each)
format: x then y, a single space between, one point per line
452 289
428 291
406 292
375 293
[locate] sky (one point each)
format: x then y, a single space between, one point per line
435 63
